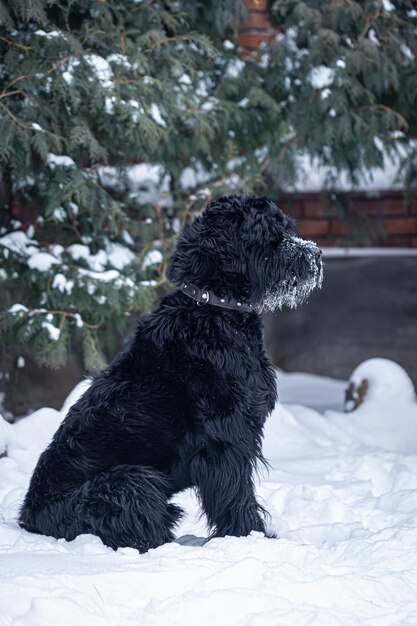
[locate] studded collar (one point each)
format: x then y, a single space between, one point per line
204 296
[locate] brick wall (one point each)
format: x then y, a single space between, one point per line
384 219
256 28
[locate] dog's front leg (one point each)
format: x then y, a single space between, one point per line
225 485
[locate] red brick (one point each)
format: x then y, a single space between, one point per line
380 206
257 5
413 205
401 226
252 41
257 21
318 207
294 208
323 242
340 227
414 242
311 228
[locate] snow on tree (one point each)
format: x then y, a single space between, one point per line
87 89
119 119
345 76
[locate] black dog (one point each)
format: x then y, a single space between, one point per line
185 404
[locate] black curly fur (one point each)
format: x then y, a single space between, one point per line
183 406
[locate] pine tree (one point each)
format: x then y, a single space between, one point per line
86 90
345 76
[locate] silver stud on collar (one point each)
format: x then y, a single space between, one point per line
239 303
204 296
222 300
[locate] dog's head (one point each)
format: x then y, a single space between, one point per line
246 248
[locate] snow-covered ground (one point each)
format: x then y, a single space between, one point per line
342 492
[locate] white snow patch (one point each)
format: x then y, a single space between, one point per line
343 500
234 68
312 176
42 261
156 115
53 331
152 258
321 76
387 380
337 252
52 34
102 69
388 6
60 160
228 45
148 184
62 283
119 256
106 277
17 241
59 214
18 308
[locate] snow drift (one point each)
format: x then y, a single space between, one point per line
342 492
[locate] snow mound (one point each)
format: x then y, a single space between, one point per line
387 381
342 493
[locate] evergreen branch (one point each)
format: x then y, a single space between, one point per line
12 93
166 40
16 80
14 118
386 109
63 314
58 63
14 43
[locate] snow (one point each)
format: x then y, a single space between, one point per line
337 252
343 499
16 241
17 308
53 331
60 160
321 76
49 35
234 68
101 69
41 261
63 284
156 115
119 256
107 277
59 214
292 293
313 176
116 255
152 258
148 184
387 381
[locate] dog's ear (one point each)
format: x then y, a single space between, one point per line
207 252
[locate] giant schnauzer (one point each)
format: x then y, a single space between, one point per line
185 404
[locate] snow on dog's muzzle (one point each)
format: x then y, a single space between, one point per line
303 272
